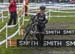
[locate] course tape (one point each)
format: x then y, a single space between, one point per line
11 26
62 16
2 28
63 11
26 19
8 27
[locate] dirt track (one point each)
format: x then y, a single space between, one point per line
52 51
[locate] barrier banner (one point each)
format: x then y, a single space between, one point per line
46 43
60 32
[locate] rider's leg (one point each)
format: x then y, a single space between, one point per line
38 35
41 39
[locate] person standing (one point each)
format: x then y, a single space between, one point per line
25 3
13 12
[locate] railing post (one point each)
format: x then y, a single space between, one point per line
23 19
49 14
8 13
6 35
19 24
2 16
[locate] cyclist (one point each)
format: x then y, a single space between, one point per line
42 20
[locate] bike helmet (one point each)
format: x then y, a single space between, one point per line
42 7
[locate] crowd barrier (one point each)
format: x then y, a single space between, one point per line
4 16
6 27
11 36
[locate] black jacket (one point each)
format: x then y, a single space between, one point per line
41 19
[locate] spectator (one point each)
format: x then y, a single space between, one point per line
26 7
13 12
71 1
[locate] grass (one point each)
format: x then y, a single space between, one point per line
62 14
34 50
60 20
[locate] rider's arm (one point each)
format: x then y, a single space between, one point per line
46 19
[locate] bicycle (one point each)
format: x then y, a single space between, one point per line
30 28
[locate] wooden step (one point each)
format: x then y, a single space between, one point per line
12 42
